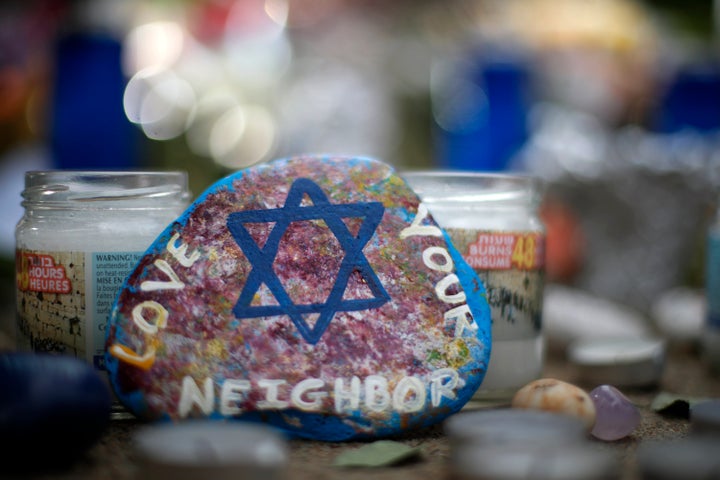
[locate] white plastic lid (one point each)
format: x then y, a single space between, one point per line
511 426
688 458
210 449
622 362
705 417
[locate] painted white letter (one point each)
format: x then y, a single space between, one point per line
192 395
173 284
440 388
444 284
377 397
161 315
463 319
180 253
409 395
271 395
428 254
350 396
416 229
304 388
231 394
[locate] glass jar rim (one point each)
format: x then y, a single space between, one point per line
459 186
104 188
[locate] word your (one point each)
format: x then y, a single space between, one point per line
461 315
409 395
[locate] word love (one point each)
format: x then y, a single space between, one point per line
158 320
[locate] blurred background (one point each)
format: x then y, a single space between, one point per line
615 104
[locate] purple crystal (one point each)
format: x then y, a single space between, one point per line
616 417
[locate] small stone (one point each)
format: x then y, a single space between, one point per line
314 293
57 404
554 395
616 416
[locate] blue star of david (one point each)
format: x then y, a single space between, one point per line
262 259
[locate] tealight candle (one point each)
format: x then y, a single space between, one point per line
631 362
539 462
518 444
210 449
507 426
705 418
687 458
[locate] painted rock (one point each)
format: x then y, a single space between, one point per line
312 293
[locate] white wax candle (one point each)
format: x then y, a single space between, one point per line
619 361
209 449
519 444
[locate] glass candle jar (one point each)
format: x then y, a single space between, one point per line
494 223
81 235
710 339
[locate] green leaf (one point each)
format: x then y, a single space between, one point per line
377 454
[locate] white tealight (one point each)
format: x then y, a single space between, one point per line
679 314
511 425
627 362
210 449
519 444
705 418
571 314
688 458
582 461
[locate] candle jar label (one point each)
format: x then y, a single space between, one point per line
64 299
511 265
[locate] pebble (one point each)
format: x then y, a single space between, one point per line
313 293
55 405
616 416
554 395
